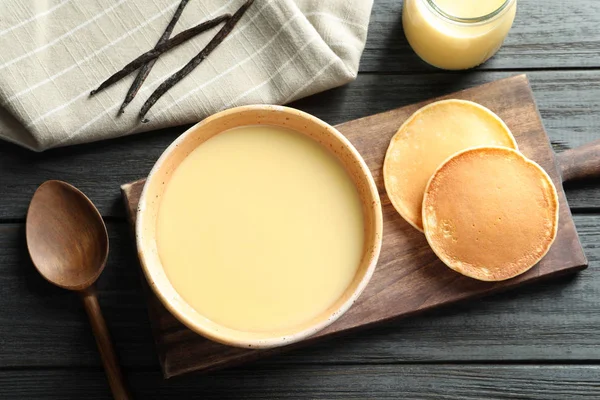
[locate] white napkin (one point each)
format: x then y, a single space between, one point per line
55 51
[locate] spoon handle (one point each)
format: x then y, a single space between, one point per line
105 346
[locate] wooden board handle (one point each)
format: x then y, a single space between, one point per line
581 162
105 346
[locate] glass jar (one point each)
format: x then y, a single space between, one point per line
453 42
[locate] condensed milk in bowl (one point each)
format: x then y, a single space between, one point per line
457 34
259 226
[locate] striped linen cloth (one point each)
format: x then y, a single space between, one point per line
53 52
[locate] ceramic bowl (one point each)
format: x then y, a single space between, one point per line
157 181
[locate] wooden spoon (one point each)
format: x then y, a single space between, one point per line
68 243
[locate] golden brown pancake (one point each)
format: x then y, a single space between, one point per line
431 135
490 213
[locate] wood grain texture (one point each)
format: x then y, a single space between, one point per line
42 328
435 382
553 33
68 244
55 331
569 103
409 277
553 320
106 349
580 163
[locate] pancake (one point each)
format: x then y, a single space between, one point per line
490 213
427 139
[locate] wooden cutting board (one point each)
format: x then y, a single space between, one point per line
409 277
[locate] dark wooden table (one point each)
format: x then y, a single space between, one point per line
537 342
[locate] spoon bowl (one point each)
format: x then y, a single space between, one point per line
66 237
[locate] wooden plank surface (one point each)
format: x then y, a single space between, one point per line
556 320
43 340
548 34
432 382
569 103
